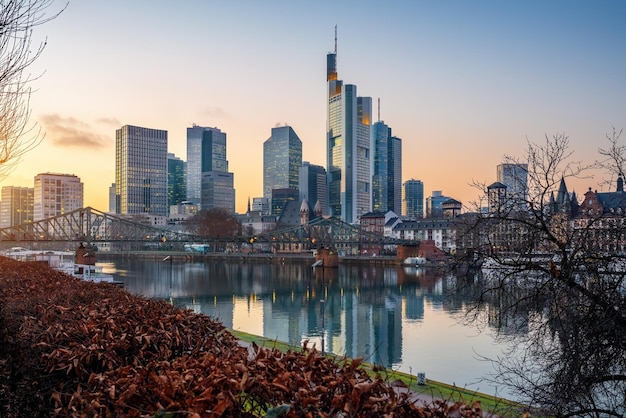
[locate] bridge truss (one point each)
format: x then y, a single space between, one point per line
327 232
92 226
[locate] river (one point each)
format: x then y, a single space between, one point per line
407 319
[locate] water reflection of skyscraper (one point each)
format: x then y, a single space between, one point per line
368 311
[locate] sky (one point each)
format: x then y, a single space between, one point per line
463 83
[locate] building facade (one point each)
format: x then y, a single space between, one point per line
386 169
206 151
515 177
348 147
141 170
282 159
176 181
413 199
280 198
313 185
218 190
56 194
16 206
261 204
433 204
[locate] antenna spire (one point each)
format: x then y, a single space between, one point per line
335 39
379 109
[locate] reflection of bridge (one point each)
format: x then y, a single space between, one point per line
93 226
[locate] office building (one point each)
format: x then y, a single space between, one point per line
496 197
515 177
261 205
16 206
386 169
282 159
313 185
112 198
218 190
413 199
206 151
434 203
348 146
56 194
141 170
280 198
176 186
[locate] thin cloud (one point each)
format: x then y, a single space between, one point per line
109 121
214 112
72 133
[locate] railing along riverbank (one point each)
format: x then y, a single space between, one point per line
194 257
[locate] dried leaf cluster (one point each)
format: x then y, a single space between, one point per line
74 348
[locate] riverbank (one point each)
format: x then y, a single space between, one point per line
286 258
101 351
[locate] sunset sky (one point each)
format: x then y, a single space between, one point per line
461 82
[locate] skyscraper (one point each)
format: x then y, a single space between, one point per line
209 184
515 177
176 186
348 146
206 151
218 190
56 194
413 199
112 198
17 206
141 170
386 169
282 159
313 185
433 204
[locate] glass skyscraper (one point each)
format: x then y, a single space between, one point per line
141 170
282 158
413 199
515 177
176 183
209 184
206 151
313 185
434 208
386 170
348 147
16 206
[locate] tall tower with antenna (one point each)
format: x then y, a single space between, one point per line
348 146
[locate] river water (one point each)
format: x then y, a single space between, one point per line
407 319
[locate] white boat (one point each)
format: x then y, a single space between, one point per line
414 261
63 261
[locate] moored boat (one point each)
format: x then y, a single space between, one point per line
79 264
414 261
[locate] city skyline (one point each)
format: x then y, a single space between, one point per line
461 84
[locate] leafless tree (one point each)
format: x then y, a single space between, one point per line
18 18
217 225
553 275
614 156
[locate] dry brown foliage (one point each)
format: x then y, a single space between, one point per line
74 348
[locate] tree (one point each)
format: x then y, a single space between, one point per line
553 272
216 224
18 18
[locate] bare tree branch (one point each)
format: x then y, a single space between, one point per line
556 269
18 18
